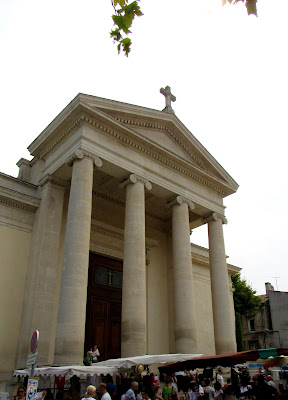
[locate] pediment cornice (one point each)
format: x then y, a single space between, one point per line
202 168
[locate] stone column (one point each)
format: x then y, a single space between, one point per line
134 341
184 307
70 335
39 310
223 313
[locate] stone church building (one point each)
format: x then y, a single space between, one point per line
95 240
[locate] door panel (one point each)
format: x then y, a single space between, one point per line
103 311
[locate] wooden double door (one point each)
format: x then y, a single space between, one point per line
104 303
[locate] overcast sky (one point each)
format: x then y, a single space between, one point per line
228 71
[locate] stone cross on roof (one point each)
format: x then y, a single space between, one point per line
168 98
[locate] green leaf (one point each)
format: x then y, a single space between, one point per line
251 7
123 18
128 19
126 44
120 2
118 20
245 300
116 35
133 7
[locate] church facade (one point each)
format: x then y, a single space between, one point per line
95 240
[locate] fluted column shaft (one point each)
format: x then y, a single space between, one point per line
223 316
184 307
70 334
133 330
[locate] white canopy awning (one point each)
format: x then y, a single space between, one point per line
129 362
71 370
111 366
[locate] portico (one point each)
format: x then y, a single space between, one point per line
128 183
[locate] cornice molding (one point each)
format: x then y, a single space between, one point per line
12 203
78 121
21 200
54 181
176 139
85 119
117 233
121 203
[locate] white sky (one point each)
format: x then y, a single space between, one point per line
228 72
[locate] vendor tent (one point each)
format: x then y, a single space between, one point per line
69 370
111 366
225 360
129 362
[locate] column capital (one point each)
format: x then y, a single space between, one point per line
133 178
79 154
214 217
181 200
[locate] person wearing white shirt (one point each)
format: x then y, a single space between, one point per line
102 391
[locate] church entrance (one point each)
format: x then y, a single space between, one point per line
103 310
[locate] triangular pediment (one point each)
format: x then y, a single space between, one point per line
167 132
161 132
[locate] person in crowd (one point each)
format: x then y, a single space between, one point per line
244 373
245 391
145 394
218 389
21 393
154 391
192 393
263 391
90 393
102 392
131 393
111 388
228 382
48 395
270 381
126 382
94 354
168 388
219 376
208 389
228 393
174 380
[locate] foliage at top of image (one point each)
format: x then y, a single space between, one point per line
250 5
125 13
246 302
123 17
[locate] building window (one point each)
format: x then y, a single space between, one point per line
253 344
251 325
108 277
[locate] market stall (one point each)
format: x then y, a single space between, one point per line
225 360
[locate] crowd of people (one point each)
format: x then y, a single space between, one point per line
209 386
185 385
194 385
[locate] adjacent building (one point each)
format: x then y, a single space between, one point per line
269 326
